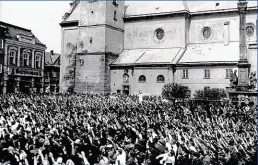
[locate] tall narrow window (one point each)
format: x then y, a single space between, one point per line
11 58
226 33
115 15
37 61
206 73
26 59
185 74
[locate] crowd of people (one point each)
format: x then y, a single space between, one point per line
73 129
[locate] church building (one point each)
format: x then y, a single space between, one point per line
127 46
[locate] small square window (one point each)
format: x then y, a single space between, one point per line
81 62
228 73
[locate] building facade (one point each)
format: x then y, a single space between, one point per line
149 44
52 72
23 62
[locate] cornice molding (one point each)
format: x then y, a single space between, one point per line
140 65
200 64
25 45
183 13
104 25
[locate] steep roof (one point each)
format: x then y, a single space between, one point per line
51 59
133 8
13 31
202 6
74 13
140 8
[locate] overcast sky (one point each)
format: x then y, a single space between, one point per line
42 18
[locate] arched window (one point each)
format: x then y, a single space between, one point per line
142 78
160 78
126 78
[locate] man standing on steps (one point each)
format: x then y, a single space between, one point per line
140 97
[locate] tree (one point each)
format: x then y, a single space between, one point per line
171 91
210 94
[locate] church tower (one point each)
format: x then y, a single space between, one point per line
100 37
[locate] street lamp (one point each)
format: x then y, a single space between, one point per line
86 84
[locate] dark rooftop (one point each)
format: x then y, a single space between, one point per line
13 31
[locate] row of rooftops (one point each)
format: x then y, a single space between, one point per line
153 8
13 32
210 53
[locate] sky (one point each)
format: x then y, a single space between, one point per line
42 18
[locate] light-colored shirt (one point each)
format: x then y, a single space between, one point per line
140 98
121 159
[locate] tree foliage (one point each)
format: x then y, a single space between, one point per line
172 91
210 94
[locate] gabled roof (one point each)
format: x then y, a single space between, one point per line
13 31
74 13
51 59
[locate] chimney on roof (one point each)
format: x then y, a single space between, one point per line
52 52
